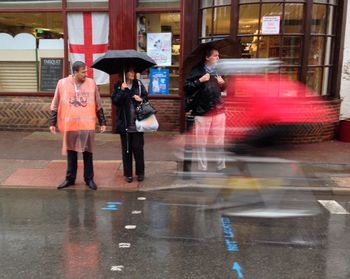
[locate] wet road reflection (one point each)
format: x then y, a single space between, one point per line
179 233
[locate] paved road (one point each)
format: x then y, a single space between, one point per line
173 233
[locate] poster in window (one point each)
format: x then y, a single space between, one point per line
159 48
270 25
159 82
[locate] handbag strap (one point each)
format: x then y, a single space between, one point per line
139 82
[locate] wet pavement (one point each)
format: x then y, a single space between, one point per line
282 214
167 234
33 160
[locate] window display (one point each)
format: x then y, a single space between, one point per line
162 30
287 43
27 39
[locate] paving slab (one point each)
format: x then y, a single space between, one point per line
33 159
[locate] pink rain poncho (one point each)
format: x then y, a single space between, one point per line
76 113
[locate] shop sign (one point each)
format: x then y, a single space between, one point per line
270 25
51 71
159 81
159 48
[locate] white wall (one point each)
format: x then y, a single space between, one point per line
345 81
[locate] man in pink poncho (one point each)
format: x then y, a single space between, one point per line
74 109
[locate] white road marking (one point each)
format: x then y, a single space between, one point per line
124 245
117 268
136 212
141 198
333 207
271 213
130 227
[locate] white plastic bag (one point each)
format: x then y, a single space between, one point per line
149 124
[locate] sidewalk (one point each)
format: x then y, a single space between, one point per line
34 160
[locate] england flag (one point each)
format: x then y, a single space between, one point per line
88 40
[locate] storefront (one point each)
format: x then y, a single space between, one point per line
39 38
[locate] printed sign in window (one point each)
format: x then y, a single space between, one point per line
159 81
159 48
270 25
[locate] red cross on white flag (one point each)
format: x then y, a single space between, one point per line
88 40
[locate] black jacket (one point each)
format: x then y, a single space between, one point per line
122 99
204 97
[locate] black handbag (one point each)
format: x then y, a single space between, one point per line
144 110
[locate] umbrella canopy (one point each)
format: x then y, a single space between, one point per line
228 48
117 61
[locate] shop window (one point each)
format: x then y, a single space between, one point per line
316 51
293 18
87 3
216 18
207 27
275 29
319 17
158 34
314 78
248 19
30 4
272 40
158 3
321 44
270 10
269 47
28 42
292 72
249 47
291 50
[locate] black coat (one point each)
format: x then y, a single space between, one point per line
122 99
205 97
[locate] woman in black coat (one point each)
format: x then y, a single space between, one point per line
126 96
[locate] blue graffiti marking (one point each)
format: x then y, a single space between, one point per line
112 206
237 268
232 246
109 208
229 233
231 243
114 202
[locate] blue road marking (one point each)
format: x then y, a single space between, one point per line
109 208
112 202
231 246
237 268
112 206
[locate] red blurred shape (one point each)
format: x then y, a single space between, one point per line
259 100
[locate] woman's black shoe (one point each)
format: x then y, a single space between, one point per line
140 177
128 179
65 184
91 184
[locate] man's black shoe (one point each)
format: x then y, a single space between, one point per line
128 179
140 177
91 184
65 184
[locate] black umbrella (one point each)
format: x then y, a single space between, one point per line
228 48
116 61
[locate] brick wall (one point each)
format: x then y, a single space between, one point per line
168 114
303 133
32 114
